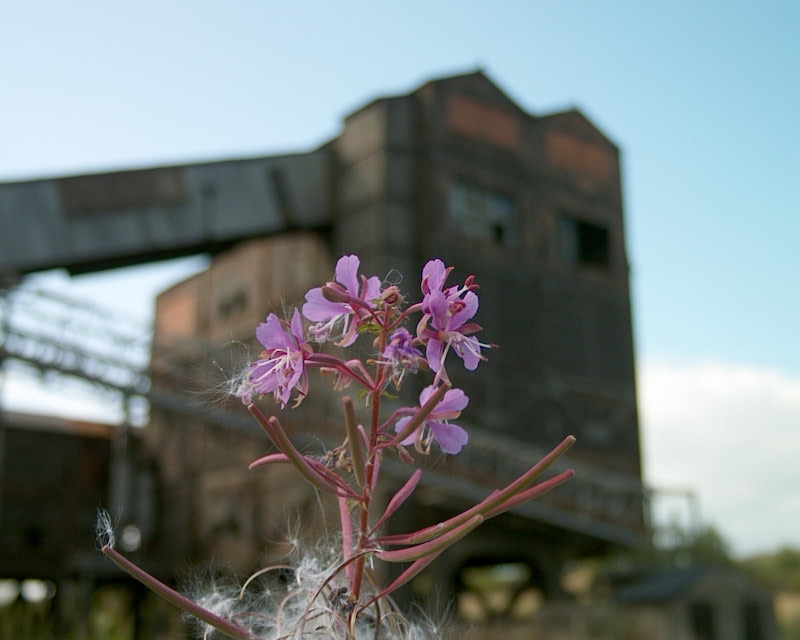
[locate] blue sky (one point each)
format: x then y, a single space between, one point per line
701 97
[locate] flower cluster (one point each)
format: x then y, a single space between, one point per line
354 307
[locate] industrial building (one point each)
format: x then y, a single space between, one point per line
529 203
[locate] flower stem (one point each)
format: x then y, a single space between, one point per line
372 467
226 627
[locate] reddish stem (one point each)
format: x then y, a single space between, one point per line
363 520
412 309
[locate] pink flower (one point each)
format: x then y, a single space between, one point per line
282 367
341 317
451 437
445 320
448 328
434 273
400 352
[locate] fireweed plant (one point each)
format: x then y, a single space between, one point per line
338 596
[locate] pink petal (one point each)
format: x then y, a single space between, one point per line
264 376
468 349
426 394
451 437
350 335
284 395
470 301
454 400
347 274
433 353
318 309
434 274
437 305
297 371
297 327
272 334
372 290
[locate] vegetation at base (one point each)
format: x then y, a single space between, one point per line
779 570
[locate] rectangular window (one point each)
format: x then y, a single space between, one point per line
752 621
701 618
584 243
483 213
232 304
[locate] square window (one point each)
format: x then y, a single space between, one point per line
483 213
584 243
232 304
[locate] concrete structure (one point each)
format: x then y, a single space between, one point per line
530 204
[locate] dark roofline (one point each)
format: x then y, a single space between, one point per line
168 165
573 110
481 72
478 71
56 424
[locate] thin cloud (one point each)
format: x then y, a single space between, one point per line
730 432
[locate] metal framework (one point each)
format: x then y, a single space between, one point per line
54 333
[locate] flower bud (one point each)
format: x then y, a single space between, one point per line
391 296
334 292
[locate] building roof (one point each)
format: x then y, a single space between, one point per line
660 584
54 424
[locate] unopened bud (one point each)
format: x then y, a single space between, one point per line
334 292
391 296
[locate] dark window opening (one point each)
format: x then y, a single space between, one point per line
232 305
34 537
701 618
751 621
483 213
584 243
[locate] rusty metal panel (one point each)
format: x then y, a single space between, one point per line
569 153
108 192
483 122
